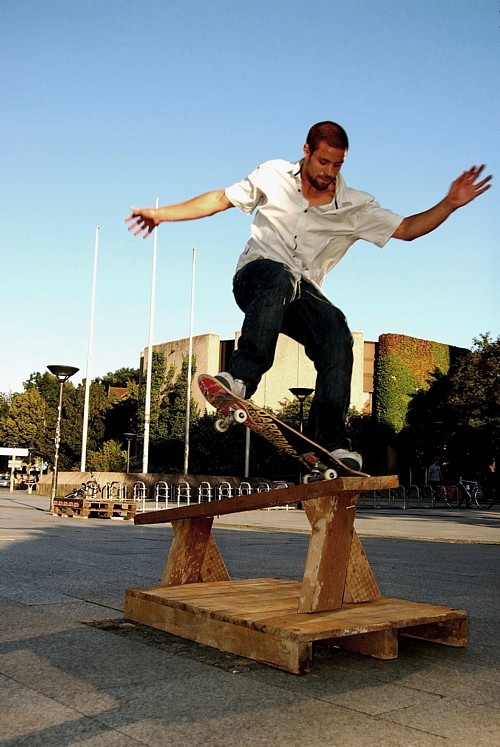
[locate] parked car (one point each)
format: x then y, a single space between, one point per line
4 479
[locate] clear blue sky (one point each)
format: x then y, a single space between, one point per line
110 103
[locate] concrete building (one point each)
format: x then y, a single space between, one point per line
291 368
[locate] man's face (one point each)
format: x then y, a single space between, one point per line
321 167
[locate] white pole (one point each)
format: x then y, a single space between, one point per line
190 367
89 358
147 404
247 453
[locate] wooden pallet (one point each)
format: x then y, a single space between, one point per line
95 509
277 621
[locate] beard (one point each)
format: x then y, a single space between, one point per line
319 183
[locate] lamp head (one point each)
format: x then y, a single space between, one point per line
63 373
301 392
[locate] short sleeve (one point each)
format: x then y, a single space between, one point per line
376 224
246 194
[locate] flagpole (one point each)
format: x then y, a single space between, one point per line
147 404
89 358
190 367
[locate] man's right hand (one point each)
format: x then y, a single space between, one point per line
143 220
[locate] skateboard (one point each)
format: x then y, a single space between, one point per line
321 464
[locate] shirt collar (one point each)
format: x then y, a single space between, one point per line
294 169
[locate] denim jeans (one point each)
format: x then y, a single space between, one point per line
273 302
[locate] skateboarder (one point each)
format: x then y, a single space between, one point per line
306 219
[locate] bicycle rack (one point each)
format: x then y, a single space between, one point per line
115 491
224 490
205 492
140 493
162 493
244 488
263 487
183 492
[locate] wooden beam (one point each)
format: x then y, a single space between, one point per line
296 494
332 525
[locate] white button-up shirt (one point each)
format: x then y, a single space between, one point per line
308 240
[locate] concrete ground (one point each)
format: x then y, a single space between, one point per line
72 672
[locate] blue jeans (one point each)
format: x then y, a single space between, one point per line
273 302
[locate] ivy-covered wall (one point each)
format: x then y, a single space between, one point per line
403 367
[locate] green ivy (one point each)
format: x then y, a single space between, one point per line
404 367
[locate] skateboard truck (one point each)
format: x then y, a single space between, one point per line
235 416
319 471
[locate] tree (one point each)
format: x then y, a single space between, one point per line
121 377
111 458
72 422
25 422
174 404
458 417
121 416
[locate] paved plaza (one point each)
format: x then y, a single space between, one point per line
73 672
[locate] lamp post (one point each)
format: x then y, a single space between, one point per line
12 445
129 437
62 373
301 393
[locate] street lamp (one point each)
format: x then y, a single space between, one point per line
301 393
62 373
129 437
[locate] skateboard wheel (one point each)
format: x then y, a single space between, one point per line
221 426
308 478
330 474
240 416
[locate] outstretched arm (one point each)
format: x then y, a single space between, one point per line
145 220
462 191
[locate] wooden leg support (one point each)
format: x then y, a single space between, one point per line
194 555
379 645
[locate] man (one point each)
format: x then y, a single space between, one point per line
306 219
435 476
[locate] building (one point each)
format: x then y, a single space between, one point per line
291 368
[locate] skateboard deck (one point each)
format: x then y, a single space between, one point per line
321 464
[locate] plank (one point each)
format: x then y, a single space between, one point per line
332 525
448 632
296 494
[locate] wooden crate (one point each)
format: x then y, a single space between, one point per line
95 509
277 621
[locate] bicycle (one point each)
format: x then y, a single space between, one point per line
470 492
88 490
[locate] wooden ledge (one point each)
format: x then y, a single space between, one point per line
240 503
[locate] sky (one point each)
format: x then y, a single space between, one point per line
113 103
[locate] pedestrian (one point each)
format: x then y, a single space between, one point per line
306 219
434 475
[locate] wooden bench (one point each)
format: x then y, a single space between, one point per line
277 621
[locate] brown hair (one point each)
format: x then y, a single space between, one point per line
329 132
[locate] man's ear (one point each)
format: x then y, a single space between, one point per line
306 150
